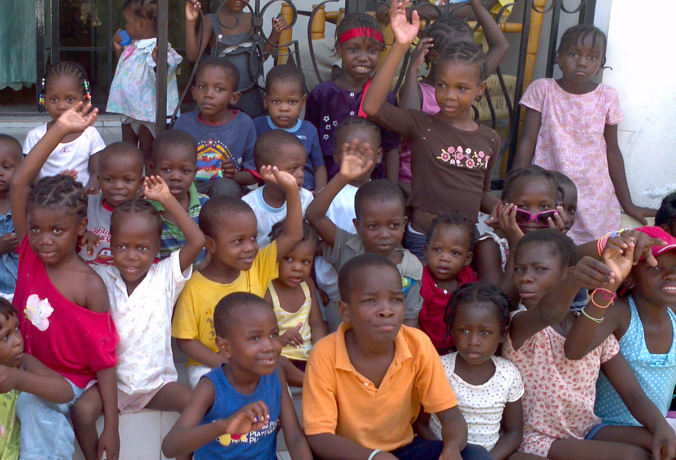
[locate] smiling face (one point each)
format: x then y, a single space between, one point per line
456 88
214 90
360 56
235 244
656 285
120 179
53 232
581 61
381 225
537 269
61 93
533 195
134 243
284 101
375 307
296 266
11 341
448 251
176 164
477 332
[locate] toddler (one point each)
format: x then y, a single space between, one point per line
293 296
10 157
284 151
65 85
284 99
225 138
133 90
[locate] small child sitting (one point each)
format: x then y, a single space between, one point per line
448 252
10 157
365 384
174 161
236 411
284 99
121 178
236 265
21 372
286 152
380 222
225 137
293 296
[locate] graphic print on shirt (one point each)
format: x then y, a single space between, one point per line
464 158
250 438
103 255
38 312
210 154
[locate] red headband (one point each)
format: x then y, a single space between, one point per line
360 32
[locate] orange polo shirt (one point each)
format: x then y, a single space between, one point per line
339 400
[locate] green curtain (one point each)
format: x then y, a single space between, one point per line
17 43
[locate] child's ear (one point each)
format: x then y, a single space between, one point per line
265 100
379 155
482 88
153 169
469 258
223 347
234 98
344 310
303 101
82 226
210 244
355 221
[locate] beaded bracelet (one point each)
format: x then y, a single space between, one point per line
596 320
606 294
603 241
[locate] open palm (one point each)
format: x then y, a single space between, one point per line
404 32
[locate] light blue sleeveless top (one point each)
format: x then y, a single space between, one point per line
655 372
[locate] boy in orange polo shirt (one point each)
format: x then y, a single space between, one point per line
365 383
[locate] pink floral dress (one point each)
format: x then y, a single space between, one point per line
571 141
559 396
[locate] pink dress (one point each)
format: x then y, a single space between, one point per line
571 141
429 105
559 393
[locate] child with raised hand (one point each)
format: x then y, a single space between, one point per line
285 152
120 176
375 365
237 409
228 33
359 42
284 98
666 214
586 135
462 171
488 388
380 222
449 253
62 303
235 265
644 323
293 296
146 375
10 157
65 85
133 90
175 162
19 373
558 403
225 138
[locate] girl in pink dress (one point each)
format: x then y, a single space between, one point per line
571 127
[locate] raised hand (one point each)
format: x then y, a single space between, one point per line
249 418
421 50
590 273
643 246
618 255
358 160
77 118
292 336
192 10
507 223
404 32
557 222
154 188
282 178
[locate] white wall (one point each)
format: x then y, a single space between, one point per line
643 61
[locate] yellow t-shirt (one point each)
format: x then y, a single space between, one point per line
194 314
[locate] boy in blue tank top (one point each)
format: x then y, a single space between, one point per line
237 409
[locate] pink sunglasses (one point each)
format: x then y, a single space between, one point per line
524 217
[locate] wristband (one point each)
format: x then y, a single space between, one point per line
603 241
606 294
586 315
374 453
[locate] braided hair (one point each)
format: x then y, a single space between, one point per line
59 192
66 68
666 215
7 309
579 32
448 30
467 53
479 295
532 172
359 21
142 207
143 9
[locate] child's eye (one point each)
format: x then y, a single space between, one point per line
593 58
202 87
398 300
395 226
455 253
462 330
518 269
353 50
274 335
254 338
70 99
120 246
293 102
654 269
372 227
187 171
484 332
57 231
541 269
307 262
374 51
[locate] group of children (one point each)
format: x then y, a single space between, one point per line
386 306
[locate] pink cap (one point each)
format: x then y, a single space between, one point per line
659 233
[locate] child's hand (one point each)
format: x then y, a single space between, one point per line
154 188
117 40
279 24
507 223
618 255
358 160
192 10
92 188
292 336
643 245
282 178
664 444
90 242
404 32
450 453
8 243
78 118
228 169
70 173
640 213
590 273
109 442
249 418
7 382
420 52
557 222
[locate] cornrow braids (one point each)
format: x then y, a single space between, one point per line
309 232
7 309
468 53
59 191
447 30
666 215
142 207
479 295
532 172
580 32
66 68
144 9
560 244
359 21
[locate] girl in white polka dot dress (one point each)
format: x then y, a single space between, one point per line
488 388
